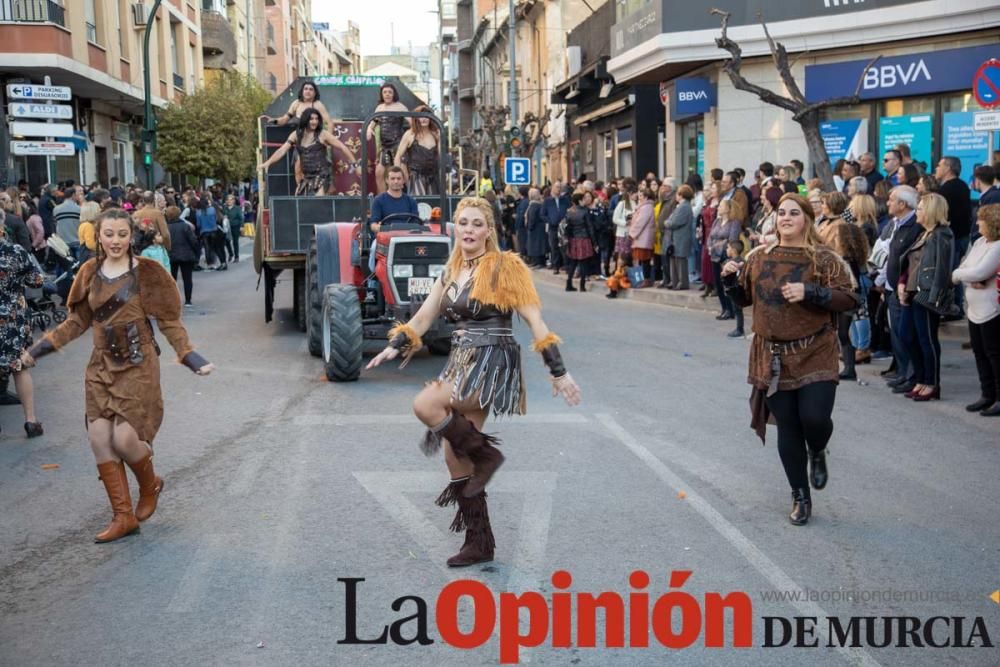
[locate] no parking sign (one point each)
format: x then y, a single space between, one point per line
986 84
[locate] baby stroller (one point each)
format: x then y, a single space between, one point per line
43 310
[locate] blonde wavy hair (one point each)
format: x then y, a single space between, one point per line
484 207
935 210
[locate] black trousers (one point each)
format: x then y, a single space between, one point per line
985 339
234 243
571 265
186 270
804 421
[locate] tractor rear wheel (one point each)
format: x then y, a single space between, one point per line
342 333
440 347
313 305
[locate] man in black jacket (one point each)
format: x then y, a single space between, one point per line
956 193
902 208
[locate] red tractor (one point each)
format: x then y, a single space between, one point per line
338 301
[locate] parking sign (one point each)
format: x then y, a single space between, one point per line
517 171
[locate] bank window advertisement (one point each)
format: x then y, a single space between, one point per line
917 131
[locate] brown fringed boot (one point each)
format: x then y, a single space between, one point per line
150 487
468 442
124 522
473 517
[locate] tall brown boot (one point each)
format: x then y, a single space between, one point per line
468 442
474 518
150 487
124 522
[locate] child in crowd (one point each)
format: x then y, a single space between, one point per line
156 251
734 251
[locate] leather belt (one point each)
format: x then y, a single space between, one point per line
124 341
779 348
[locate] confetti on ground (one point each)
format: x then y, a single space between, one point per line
681 495
50 466
260 644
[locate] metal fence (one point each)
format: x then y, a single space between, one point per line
32 11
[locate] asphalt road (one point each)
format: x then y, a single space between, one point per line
278 484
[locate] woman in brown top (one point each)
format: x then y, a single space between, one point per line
479 291
796 287
114 295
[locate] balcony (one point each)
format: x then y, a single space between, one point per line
32 11
218 44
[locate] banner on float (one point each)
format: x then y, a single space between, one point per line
915 131
960 139
845 139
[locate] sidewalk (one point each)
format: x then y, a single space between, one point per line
691 300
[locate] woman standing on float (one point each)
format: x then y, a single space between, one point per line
479 291
797 287
114 295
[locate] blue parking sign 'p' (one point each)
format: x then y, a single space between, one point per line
517 171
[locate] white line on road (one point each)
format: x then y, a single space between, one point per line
757 558
390 489
410 420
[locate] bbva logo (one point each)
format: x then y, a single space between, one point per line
888 76
692 95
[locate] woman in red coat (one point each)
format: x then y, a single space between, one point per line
706 220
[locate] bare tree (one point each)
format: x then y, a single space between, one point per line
485 140
533 131
804 113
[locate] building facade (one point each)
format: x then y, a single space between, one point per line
95 48
919 91
233 37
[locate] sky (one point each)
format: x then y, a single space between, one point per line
383 20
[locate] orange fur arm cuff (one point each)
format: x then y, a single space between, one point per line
547 342
403 337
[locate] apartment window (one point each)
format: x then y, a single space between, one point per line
272 82
214 6
90 16
449 9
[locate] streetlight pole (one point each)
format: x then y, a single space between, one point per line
512 38
149 127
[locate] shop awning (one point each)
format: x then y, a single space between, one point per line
601 112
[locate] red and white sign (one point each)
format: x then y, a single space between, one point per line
55 148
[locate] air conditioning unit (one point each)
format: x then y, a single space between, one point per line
574 58
139 14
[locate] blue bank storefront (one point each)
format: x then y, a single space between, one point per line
924 99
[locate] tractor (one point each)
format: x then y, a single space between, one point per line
325 241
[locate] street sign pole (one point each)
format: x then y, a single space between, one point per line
148 123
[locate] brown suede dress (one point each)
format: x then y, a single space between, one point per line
123 377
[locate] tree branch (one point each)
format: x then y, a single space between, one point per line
780 56
735 62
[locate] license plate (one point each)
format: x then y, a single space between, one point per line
421 286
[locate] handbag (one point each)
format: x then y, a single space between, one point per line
249 230
635 274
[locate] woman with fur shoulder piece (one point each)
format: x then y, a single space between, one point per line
479 291
114 295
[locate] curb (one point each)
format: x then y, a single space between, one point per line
689 300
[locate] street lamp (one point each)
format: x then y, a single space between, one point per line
149 127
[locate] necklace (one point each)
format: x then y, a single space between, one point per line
470 263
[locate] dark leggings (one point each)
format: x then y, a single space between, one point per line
571 266
186 269
724 301
985 339
926 352
803 418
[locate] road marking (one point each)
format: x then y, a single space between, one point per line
410 420
757 558
537 488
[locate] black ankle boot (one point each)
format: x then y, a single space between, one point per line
569 286
818 475
847 356
801 507
583 285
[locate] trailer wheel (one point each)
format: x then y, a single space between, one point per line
258 247
440 347
313 303
300 307
343 334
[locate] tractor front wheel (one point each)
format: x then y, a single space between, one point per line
342 333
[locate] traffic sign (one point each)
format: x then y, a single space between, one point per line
33 110
986 84
42 148
21 128
20 91
517 171
986 121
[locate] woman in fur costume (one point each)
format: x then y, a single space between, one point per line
114 296
479 291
